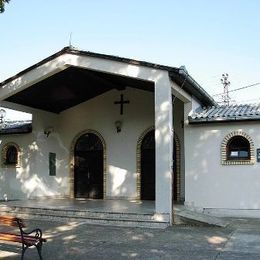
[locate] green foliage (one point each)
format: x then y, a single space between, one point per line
2 5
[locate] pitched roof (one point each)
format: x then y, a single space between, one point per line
178 75
249 112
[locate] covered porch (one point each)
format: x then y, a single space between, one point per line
73 94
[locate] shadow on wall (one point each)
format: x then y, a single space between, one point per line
216 185
31 178
120 180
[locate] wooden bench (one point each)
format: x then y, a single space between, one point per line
27 239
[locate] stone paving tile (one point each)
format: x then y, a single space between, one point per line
81 241
129 252
243 241
238 256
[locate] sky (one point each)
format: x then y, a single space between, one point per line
208 37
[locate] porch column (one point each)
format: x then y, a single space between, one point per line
163 145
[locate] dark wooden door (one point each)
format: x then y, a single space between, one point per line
148 167
174 172
88 171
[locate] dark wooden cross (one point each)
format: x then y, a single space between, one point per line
121 103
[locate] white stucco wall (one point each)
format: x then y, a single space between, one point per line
208 183
98 114
32 178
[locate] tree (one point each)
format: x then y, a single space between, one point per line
2 5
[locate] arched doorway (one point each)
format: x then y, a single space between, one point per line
88 167
146 166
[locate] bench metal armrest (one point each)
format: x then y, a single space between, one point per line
36 232
27 239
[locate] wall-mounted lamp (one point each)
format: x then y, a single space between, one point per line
48 131
118 125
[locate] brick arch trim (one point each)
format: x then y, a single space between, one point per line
224 144
3 156
138 163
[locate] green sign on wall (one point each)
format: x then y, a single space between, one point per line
52 164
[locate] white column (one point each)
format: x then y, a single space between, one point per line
164 144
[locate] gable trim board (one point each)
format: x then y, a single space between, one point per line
68 57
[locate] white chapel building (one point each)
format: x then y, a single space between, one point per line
105 127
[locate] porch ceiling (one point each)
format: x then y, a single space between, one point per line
73 86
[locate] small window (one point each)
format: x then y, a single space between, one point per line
10 155
238 148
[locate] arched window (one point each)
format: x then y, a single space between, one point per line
10 155
237 148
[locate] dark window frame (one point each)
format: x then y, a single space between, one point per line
240 145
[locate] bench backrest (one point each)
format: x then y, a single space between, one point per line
11 221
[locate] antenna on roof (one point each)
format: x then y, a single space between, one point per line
225 82
70 40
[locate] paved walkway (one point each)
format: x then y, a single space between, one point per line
241 240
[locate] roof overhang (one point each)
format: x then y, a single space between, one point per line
70 77
187 83
221 120
71 87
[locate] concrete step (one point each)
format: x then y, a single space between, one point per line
184 215
90 217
